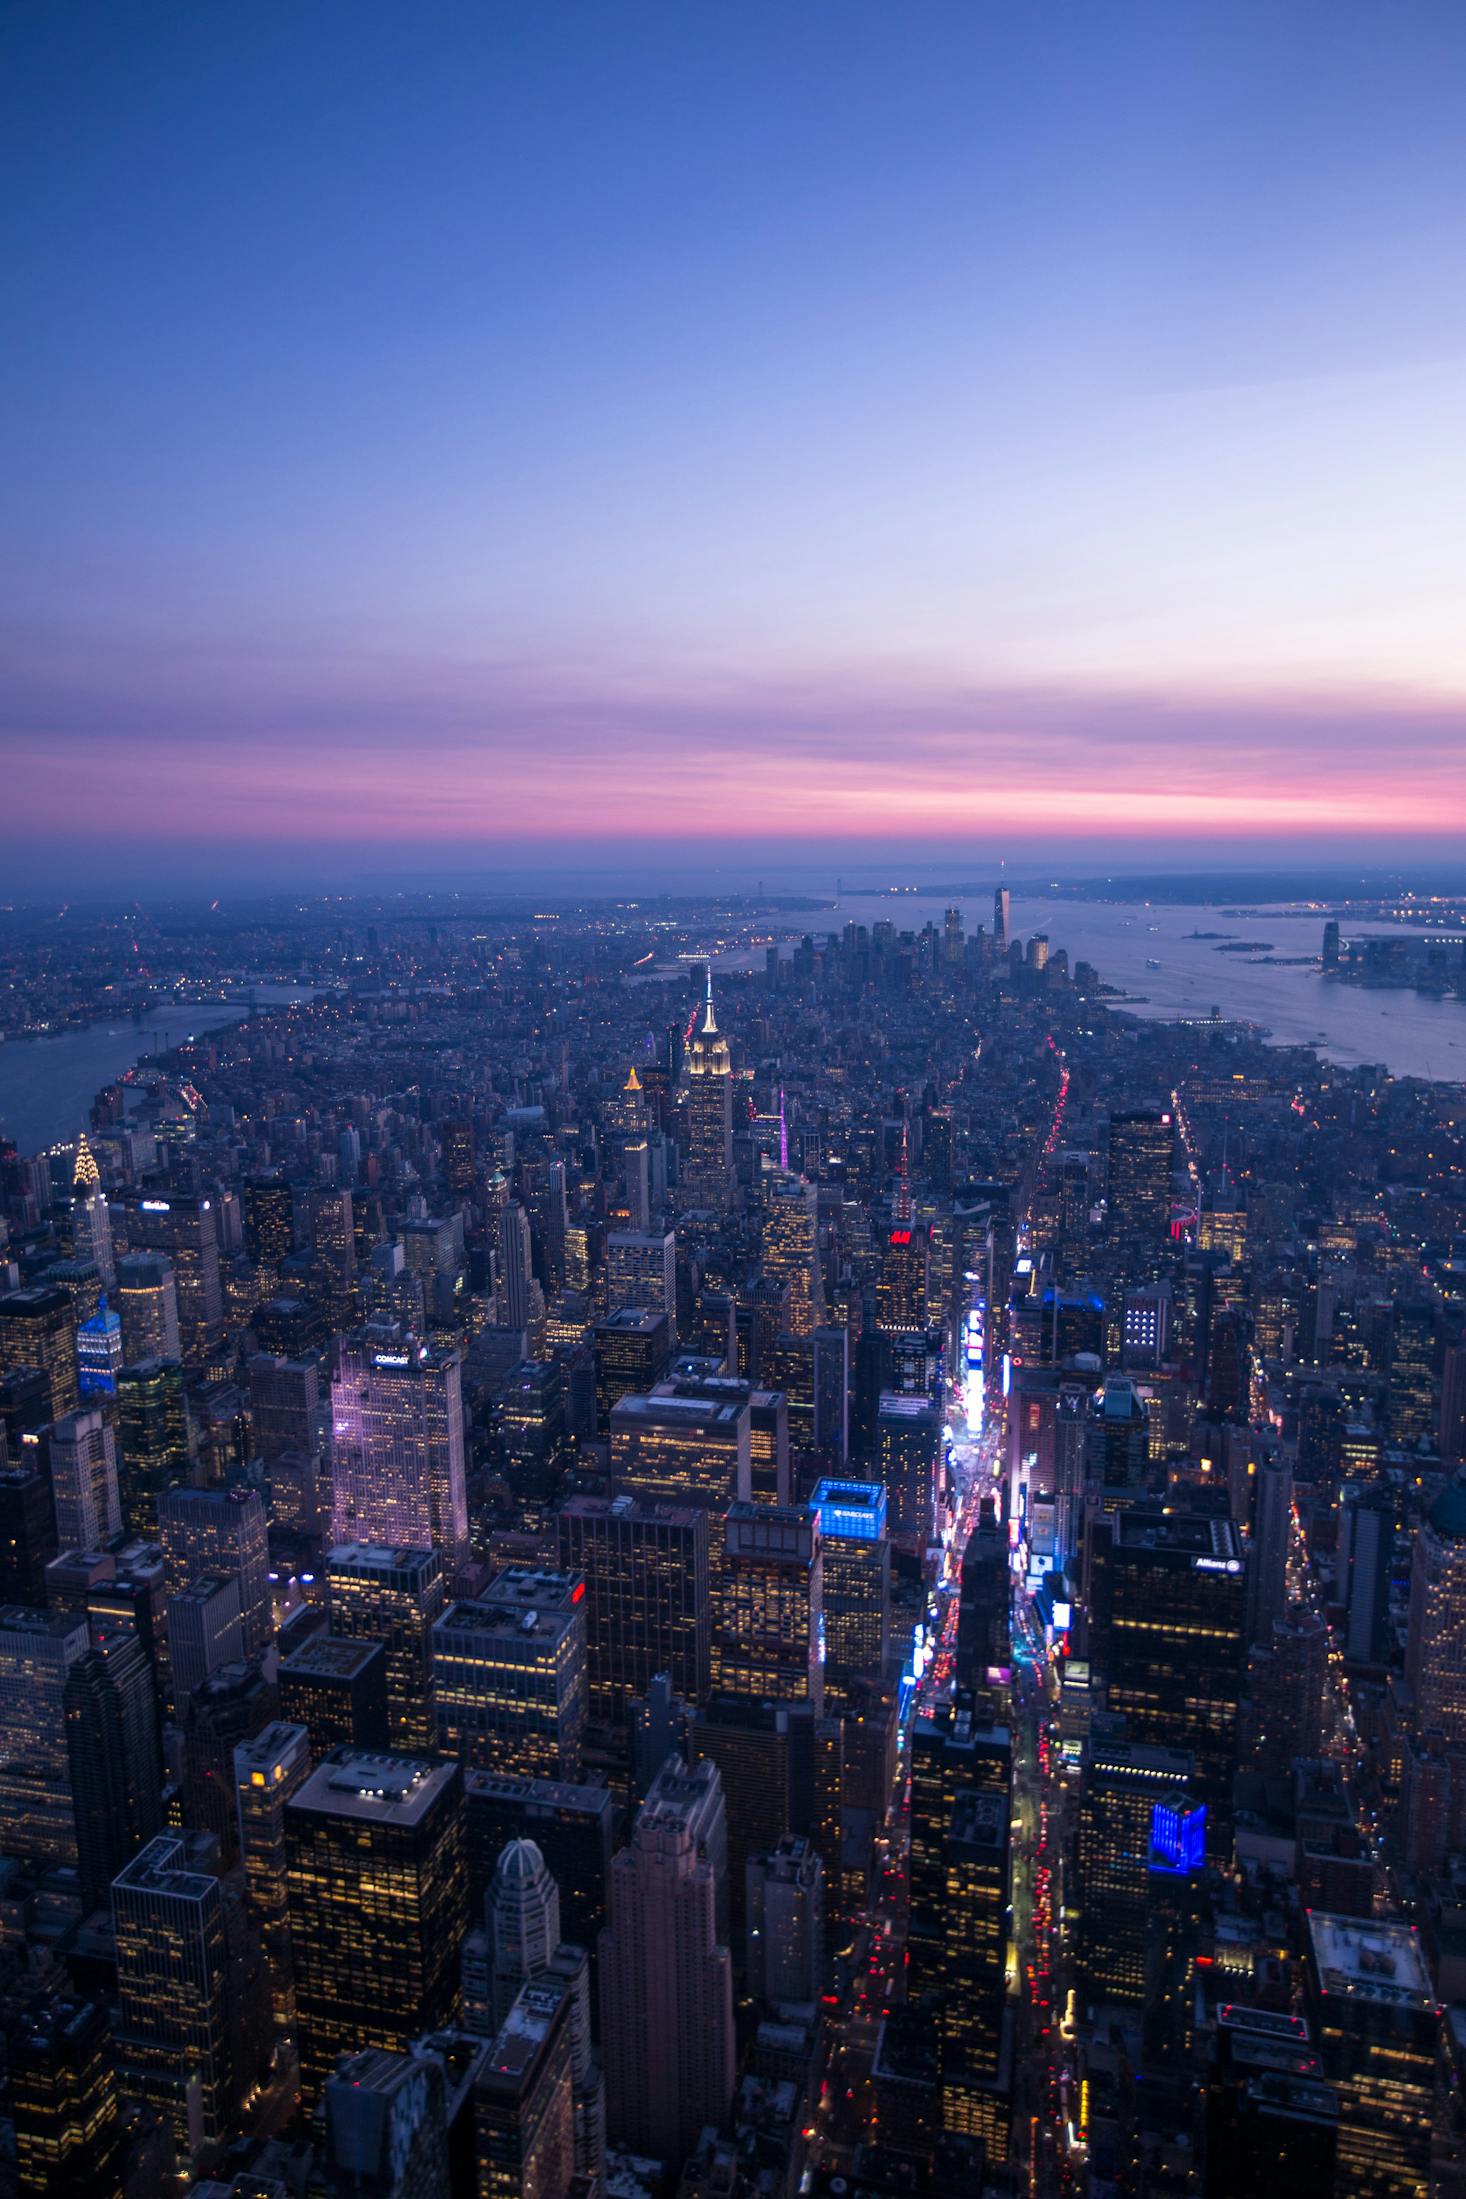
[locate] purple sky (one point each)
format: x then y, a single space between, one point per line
605 432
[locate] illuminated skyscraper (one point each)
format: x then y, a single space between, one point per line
768 1622
152 1439
908 1439
707 1179
1002 918
146 1299
63 2101
641 1270
791 1249
1435 1643
391 1596
901 1288
337 1690
38 1329
856 1582
91 1223
1377 2023
1142 1155
397 1474
1123 1783
645 1568
38 1650
81 1452
666 1983
221 1531
175 2039
184 1227
267 1772
268 1204
974 1967
1168 1597
509 1682
377 1903
99 1353
632 1349
681 1450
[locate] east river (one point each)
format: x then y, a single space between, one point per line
47 1084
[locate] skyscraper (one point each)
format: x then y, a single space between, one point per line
645 1568
185 1227
146 1298
1377 2022
386 2128
524 2100
174 2036
682 1450
393 1596
1123 1783
641 1270
522 1925
856 1582
509 1680
707 1179
152 1439
1168 1598
666 1983
1002 918
397 1473
268 1770
113 1755
38 1329
38 1650
785 1922
1435 1642
377 1902
221 1531
81 1452
91 1223
768 1622
1142 1161
791 1249
63 2101
289 1416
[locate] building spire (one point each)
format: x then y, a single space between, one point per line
709 1021
903 1173
86 1176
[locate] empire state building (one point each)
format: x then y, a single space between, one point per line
708 1177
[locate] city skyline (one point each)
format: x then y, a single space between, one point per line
727 431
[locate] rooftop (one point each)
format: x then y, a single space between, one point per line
328 1656
1370 1959
374 1787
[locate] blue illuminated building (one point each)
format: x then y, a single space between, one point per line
1177 1838
99 1353
855 1510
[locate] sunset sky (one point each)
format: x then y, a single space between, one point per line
581 428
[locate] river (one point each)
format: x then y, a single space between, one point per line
47 1085
1411 1034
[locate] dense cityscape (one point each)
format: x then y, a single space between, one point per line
637 1563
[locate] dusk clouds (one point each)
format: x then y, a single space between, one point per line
653 426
